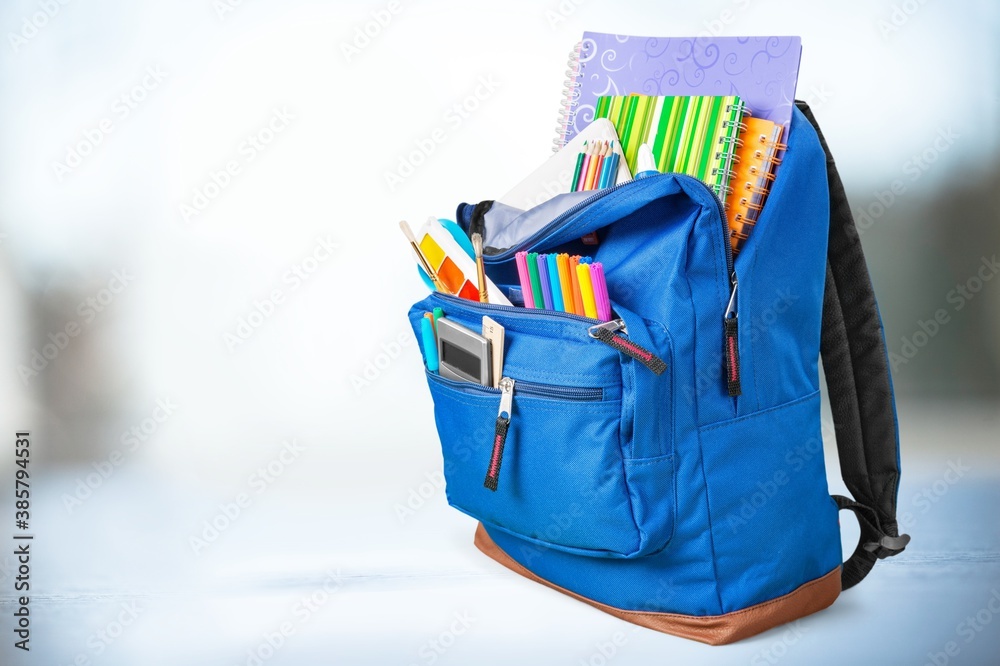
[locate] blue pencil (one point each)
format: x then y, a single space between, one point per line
543 277
610 171
557 300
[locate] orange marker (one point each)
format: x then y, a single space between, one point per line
566 283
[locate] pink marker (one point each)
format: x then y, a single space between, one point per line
521 259
600 291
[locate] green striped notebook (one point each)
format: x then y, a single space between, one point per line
693 135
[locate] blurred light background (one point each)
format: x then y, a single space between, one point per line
198 189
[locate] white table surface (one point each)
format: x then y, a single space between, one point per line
384 590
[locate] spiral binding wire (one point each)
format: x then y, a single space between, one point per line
751 193
728 154
570 98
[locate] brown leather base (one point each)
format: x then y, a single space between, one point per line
808 598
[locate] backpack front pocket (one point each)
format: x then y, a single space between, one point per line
551 457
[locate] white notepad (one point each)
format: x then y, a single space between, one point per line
555 176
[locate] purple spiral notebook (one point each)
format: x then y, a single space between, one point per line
762 70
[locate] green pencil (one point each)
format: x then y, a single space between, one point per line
576 172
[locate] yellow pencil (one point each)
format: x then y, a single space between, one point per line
587 290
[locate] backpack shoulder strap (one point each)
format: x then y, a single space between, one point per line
860 388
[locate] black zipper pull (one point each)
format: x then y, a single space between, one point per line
500 434
731 353
607 333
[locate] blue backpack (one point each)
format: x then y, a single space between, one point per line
667 467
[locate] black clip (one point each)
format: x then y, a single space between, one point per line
887 546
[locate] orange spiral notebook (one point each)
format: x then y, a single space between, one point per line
753 173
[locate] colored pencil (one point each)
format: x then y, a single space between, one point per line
595 160
610 178
598 163
583 167
576 172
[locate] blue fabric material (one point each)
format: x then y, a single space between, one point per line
663 493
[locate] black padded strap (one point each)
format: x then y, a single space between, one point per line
860 387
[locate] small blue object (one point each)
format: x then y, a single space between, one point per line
430 344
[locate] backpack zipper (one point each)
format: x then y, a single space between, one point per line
611 333
732 344
500 433
606 333
567 393
505 413
730 318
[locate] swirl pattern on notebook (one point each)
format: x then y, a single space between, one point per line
762 71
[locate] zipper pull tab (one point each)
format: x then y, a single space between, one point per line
500 434
608 334
730 321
